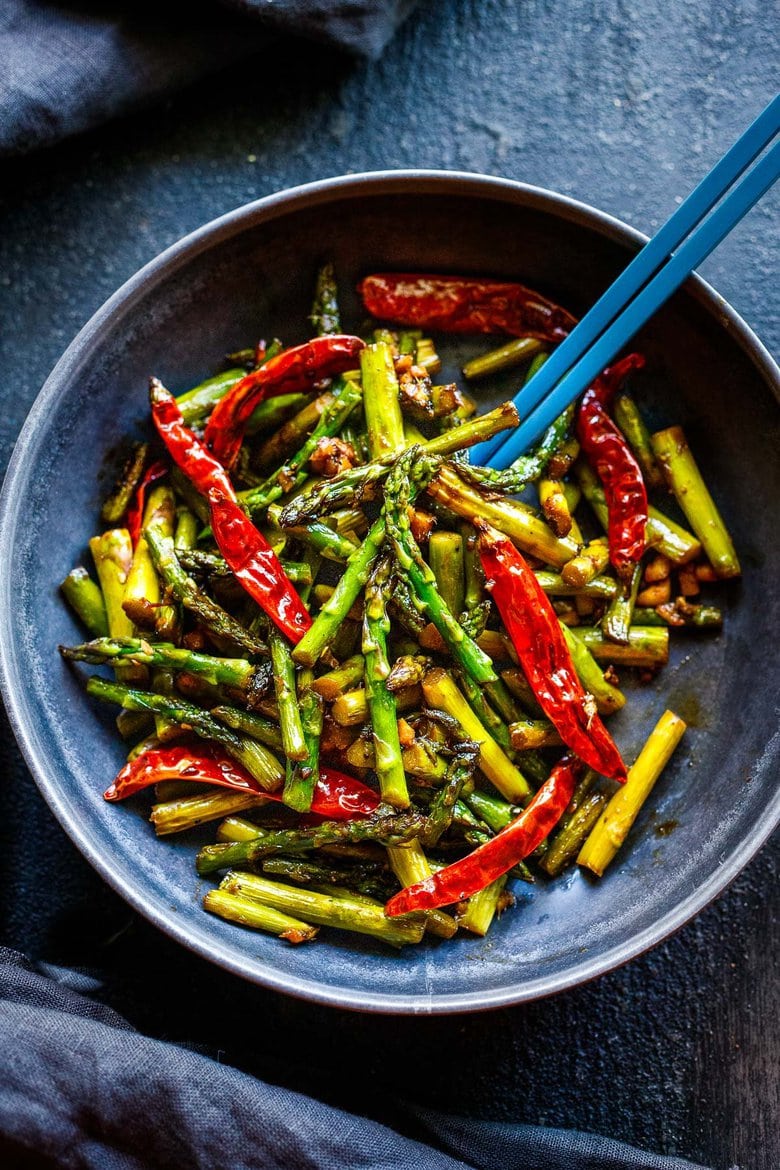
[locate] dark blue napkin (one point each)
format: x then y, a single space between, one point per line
81 1088
68 65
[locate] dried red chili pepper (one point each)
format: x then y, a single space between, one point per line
336 795
184 447
460 304
533 626
489 861
293 371
256 565
616 467
136 510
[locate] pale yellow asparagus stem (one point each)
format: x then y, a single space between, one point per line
515 519
613 825
673 453
384 422
441 692
481 908
325 910
410 865
173 816
247 912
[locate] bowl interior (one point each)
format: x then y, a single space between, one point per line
252 275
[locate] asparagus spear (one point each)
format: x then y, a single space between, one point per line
350 486
189 812
112 553
197 403
345 398
293 739
115 507
506 357
616 623
617 818
482 907
662 533
230 672
631 423
335 682
251 724
383 411
390 830
586 565
533 733
352 709
685 479
381 701
212 616
86 600
301 778
646 647
568 841
323 629
555 506
141 601
608 697
445 553
319 536
441 693
324 315
490 719
289 437
406 477
680 613
410 865
603 588
369 879
255 758
249 912
325 910
517 520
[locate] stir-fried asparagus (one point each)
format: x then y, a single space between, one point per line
399 711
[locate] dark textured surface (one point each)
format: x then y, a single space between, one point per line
676 1051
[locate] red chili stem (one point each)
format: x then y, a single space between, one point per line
294 371
336 795
614 463
256 566
460 304
489 861
535 631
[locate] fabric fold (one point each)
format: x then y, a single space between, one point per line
81 1088
68 66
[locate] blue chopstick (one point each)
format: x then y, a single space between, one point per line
758 135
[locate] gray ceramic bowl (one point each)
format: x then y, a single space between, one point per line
252 270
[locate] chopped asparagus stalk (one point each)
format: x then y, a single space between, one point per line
441 693
646 647
86 600
383 410
251 913
381 701
506 357
517 520
608 697
326 910
189 812
255 758
628 417
617 818
685 479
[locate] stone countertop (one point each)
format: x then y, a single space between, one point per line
624 107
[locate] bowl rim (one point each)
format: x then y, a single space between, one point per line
162 266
